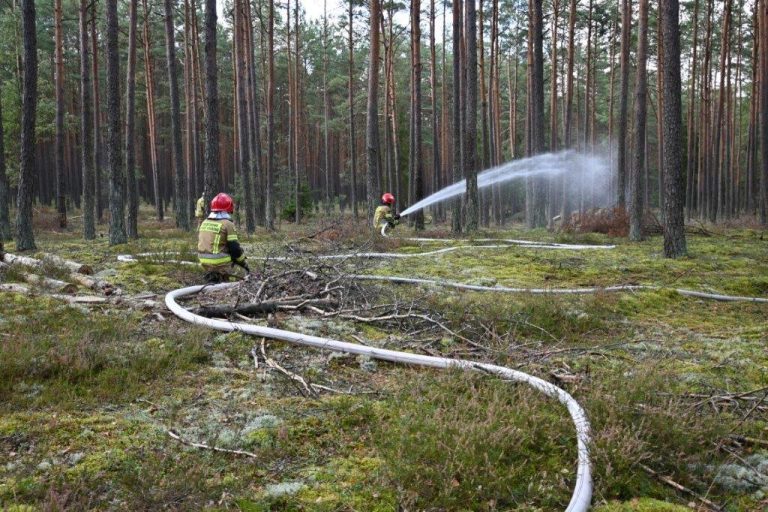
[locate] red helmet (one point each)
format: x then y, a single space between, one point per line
222 203
387 198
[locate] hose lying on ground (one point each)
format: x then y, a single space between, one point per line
557 291
582 493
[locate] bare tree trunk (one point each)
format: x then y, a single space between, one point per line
626 29
535 197
61 204
270 206
553 137
763 80
372 126
5 192
86 128
212 182
693 146
635 195
241 78
114 154
352 145
326 112
457 106
151 118
674 222
25 239
471 198
720 119
416 165
97 159
436 163
130 122
180 175
565 207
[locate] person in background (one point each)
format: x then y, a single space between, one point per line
217 246
200 210
385 214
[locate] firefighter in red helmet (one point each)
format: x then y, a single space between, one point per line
217 245
385 213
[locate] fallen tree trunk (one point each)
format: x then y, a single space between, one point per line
72 266
13 287
261 307
51 259
45 282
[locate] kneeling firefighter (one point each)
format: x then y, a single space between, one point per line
217 246
384 214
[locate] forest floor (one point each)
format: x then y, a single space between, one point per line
672 384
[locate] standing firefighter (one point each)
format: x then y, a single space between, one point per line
200 210
217 246
384 214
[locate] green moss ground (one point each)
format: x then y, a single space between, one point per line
87 396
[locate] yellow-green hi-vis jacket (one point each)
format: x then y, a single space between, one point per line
217 244
382 215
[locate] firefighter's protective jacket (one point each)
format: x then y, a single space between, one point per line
383 214
200 208
217 244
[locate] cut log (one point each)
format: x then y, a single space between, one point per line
13 287
51 284
51 259
72 266
45 282
21 260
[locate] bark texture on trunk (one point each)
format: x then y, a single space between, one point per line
25 239
674 201
117 233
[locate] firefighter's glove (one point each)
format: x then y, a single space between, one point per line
396 216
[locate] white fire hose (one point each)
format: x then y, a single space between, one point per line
582 492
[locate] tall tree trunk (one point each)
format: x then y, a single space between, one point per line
471 199
674 201
151 118
693 146
61 203
180 174
659 125
720 120
211 177
86 128
458 131
436 163
270 206
565 206
5 193
130 132
763 80
553 138
25 239
635 195
752 200
97 158
326 112
352 145
626 29
416 165
372 122
534 190
241 78
114 154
